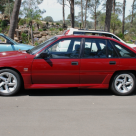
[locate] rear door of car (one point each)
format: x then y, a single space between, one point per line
99 61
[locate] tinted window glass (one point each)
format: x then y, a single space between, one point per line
95 48
123 52
110 50
65 48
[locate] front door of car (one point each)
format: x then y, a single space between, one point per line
99 62
62 64
5 45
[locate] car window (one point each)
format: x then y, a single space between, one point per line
3 40
123 52
64 48
110 51
95 48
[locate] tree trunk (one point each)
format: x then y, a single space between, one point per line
31 27
63 14
132 13
85 13
82 14
14 19
114 3
95 18
108 15
72 13
123 20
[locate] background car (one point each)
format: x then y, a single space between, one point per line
70 31
85 62
8 44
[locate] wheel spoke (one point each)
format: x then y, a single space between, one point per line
125 88
3 78
119 86
11 84
125 79
128 83
120 80
9 77
2 83
6 87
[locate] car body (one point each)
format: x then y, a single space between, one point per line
8 44
71 31
89 62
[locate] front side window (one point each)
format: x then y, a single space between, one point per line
64 48
3 40
95 48
123 52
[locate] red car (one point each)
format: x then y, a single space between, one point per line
70 61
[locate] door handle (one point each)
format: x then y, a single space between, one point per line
74 63
112 62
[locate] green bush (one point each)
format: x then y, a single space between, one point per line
36 43
40 30
60 29
57 24
120 35
22 21
44 29
3 24
24 38
0 30
52 29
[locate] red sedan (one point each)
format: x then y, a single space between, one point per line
70 61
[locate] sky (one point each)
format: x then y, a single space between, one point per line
54 9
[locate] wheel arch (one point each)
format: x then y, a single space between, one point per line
1 68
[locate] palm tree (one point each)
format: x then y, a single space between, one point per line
14 18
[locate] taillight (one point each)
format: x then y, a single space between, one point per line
67 32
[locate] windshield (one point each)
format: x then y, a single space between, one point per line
41 46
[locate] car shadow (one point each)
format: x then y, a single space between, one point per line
66 92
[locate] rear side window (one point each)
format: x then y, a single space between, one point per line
95 48
122 51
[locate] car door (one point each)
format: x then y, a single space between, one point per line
99 61
5 45
62 64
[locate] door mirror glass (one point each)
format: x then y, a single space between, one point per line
44 55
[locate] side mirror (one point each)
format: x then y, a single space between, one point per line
44 55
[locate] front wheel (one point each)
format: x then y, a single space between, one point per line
9 82
123 83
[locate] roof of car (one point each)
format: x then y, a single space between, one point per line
82 36
85 30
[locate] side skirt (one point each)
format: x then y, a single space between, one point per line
55 86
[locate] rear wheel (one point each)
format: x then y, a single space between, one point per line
9 82
123 83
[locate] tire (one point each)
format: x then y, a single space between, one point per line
10 82
123 83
